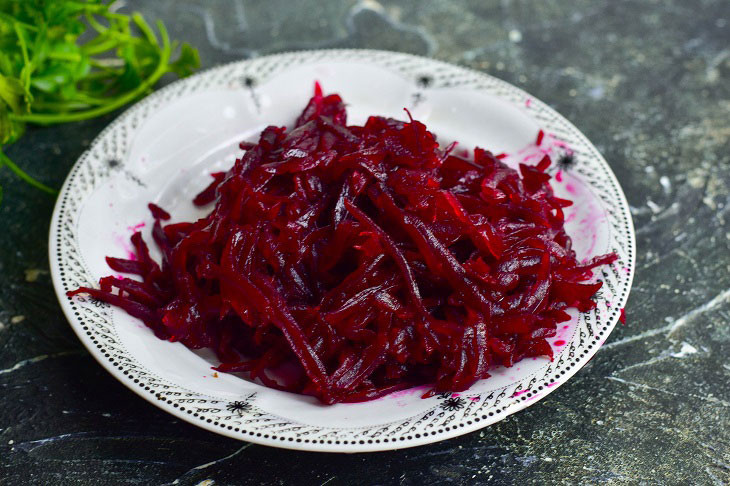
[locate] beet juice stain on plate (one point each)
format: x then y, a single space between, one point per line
351 267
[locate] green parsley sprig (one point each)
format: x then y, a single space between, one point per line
65 60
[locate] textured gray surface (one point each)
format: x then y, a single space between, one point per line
649 84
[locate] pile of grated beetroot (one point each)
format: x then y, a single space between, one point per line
348 262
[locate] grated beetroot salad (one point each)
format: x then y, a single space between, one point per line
348 262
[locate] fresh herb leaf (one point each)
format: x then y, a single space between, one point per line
66 60
187 61
12 93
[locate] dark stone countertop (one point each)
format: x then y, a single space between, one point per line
647 82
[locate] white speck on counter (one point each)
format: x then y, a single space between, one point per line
596 93
666 184
373 5
684 351
17 319
515 35
206 482
655 208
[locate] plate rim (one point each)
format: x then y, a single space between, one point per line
352 446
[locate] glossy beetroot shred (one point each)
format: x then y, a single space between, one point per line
347 262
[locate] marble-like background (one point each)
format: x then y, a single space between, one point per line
647 81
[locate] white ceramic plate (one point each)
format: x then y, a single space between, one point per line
162 150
